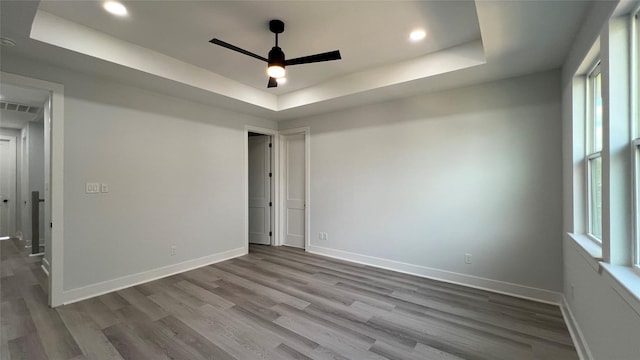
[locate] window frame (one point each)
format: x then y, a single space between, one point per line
634 53
635 248
591 153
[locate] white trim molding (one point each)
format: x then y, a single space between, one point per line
577 336
89 291
496 286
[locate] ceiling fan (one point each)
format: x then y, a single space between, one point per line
276 61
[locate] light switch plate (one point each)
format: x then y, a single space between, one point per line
104 188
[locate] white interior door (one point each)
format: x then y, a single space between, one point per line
7 185
294 219
259 190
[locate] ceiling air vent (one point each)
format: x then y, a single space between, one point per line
19 107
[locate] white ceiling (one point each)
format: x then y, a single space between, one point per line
368 33
163 45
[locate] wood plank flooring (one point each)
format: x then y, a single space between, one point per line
275 303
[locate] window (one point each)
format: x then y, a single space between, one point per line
594 153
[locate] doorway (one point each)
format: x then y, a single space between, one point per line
23 166
37 106
288 184
260 152
8 177
261 186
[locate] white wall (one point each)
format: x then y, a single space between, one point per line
608 324
175 172
424 180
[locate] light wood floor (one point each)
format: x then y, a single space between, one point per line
275 303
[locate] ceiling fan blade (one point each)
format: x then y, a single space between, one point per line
272 83
235 48
328 56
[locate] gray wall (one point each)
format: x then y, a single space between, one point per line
427 179
175 172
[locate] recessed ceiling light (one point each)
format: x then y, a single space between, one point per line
417 35
282 80
115 8
7 42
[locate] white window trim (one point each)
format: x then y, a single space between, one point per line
636 206
634 54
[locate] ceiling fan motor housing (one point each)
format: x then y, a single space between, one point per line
276 56
276 26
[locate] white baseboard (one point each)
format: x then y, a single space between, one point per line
501 287
45 261
89 291
576 334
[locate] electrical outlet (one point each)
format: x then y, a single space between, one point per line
320 236
173 250
467 258
92 188
326 236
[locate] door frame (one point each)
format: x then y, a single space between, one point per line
307 181
275 186
12 215
56 177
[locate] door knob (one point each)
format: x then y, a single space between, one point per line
5 201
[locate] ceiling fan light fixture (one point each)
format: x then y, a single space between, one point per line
275 71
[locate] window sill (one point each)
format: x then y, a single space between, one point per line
589 249
626 283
